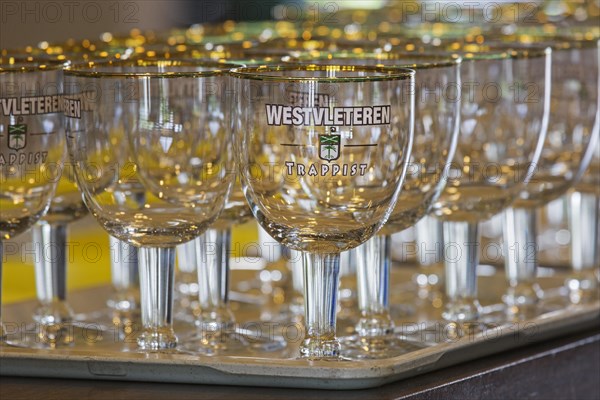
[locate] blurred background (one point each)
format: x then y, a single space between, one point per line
28 22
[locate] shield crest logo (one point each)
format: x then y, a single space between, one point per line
329 147
17 136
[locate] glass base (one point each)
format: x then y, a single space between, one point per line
157 339
462 310
320 349
375 325
53 313
521 301
376 347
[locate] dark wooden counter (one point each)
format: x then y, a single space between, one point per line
563 368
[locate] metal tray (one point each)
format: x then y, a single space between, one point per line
106 360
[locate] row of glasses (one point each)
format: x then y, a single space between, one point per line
584 204
495 158
572 138
584 210
486 173
108 189
437 106
568 148
319 190
149 171
31 140
55 322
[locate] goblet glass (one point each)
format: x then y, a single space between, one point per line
32 143
54 314
496 156
437 112
150 172
323 150
582 284
568 148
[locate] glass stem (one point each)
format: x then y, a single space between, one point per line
461 260
321 281
584 217
157 267
51 273
373 263
520 261
212 252
125 280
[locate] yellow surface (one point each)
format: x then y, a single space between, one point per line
89 263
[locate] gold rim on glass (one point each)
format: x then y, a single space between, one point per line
473 51
525 41
377 73
88 69
425 60
478 51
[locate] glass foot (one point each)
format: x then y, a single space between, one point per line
157 340
462 310
321 349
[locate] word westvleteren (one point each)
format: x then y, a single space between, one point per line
38 105
278 114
